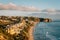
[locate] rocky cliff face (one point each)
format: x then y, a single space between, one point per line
18 27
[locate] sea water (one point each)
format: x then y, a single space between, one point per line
43 31
47 31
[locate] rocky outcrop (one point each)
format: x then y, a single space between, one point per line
18 28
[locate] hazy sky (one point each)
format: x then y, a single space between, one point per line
41 4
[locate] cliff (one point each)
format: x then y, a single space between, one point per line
18 27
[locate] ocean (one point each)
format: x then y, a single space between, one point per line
47 31
42 31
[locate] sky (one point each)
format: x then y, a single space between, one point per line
40 4
33 5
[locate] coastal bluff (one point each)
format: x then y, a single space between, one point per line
19 27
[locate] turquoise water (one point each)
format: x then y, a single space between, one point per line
47 31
